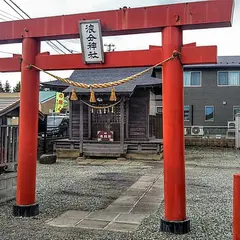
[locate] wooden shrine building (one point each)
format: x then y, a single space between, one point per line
129 124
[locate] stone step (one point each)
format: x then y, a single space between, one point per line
102 154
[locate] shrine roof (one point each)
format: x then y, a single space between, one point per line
11 101
8 100
108 75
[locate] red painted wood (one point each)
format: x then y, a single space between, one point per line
194 44
173 129
12 64
113 59
199 55
27 154
236 207
194 15
140 58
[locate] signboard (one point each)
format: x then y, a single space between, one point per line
59 102
91 41
105 136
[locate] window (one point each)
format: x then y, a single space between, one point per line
159 109
229 78
186 113
209 113
236 109
192 79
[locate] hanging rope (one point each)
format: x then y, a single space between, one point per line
107 84
101 107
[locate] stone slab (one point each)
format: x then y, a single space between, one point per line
147 205
75 214
151 199
102 216
148 178
134 192
121 227
122 159
144 210
110 162
124 214
131 218
141 185
63 222
98 162
118 208
92 224
126 200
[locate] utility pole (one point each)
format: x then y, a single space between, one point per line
110 47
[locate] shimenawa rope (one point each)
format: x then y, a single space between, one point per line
107 84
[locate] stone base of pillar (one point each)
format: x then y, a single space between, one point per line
176 227
25 210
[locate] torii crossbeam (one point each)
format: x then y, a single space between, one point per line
171 20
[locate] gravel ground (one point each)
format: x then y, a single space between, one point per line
67 186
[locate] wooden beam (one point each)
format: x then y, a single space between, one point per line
81 130
136 58
89 123
194 15
12 64
122 125
147 116
70 118
199 55
127 118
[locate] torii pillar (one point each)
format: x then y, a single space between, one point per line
28 141
171 20
173 147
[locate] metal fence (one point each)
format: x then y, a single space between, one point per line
8 147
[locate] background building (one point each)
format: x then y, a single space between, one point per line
211 92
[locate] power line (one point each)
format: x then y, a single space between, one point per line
13 9
10 14
8 18
54 48
74 41
49 41
3 19
19 8
71 51
9 53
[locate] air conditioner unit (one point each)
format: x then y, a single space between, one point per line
197 130
231 125
185 131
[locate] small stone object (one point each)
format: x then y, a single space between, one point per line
48 159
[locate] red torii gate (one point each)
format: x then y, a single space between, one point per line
171 20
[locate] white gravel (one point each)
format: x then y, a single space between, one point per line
67 186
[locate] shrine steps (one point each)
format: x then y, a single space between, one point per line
104 150
66 148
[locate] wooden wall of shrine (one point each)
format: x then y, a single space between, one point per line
137 125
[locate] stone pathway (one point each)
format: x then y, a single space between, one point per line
125 213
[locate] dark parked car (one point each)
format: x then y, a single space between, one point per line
57 126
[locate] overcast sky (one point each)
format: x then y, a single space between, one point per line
227 39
